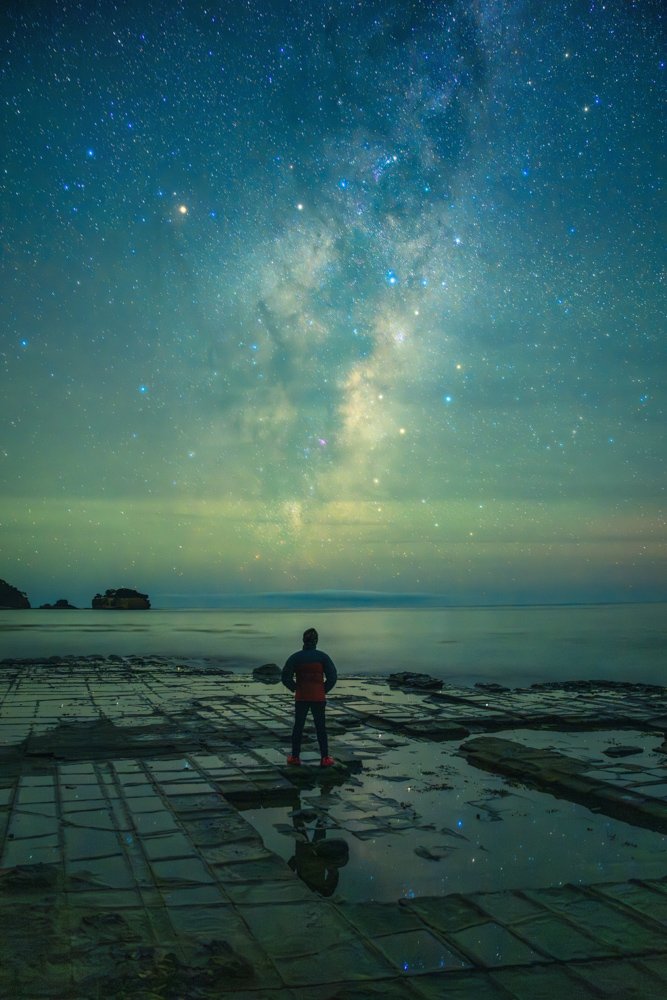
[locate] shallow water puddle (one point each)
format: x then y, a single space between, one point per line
419 820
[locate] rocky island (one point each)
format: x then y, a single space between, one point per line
123 599
61 605
12 598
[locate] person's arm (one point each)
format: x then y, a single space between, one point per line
330 674
287 676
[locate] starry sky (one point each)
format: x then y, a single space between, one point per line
331 295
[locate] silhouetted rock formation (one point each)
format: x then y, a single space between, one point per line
123 599
61 605
10 597
269 673
423 682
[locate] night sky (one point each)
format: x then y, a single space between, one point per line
306 296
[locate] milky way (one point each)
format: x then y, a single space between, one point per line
306 295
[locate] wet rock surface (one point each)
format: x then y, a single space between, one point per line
622 751
269 673
131 794
639 803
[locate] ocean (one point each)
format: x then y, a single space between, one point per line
515 646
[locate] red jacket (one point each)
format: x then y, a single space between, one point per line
310 673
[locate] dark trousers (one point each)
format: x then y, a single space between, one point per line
300 712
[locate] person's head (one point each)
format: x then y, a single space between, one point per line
310 637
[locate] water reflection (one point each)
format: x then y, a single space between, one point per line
419 820
317 860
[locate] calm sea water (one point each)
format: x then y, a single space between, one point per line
510 645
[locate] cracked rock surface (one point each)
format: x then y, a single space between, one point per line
154 843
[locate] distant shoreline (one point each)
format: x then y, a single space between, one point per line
313 604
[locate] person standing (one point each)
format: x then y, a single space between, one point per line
310 673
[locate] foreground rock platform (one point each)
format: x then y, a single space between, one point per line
129 869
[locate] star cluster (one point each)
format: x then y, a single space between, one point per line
334 294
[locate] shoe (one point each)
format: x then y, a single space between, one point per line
296 761
327 762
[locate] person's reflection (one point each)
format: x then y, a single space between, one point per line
317 861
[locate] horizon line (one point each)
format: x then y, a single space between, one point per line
351 601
